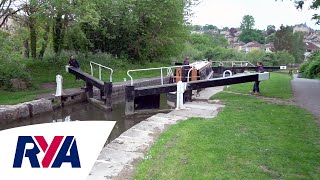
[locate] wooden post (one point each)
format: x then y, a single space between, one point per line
187 95
101 94
107 91
129 100
89 90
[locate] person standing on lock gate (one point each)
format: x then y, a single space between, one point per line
256 88
74 63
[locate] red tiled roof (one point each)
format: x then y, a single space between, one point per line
253 44
311 46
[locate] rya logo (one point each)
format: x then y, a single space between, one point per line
57 153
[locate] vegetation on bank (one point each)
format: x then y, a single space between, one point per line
249 139
42 74
311 68
278 86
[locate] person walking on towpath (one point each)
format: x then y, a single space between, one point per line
256 88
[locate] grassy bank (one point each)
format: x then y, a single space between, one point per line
278 86
44 72
250 139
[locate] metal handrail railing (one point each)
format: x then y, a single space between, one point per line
100 66
189 73
221 63
169 71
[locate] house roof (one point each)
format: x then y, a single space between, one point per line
269 45
253 44
311 46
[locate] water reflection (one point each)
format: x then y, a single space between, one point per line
86 112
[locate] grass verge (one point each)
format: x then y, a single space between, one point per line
250 139
11 98
278 86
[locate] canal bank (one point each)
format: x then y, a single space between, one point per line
117 159
48 102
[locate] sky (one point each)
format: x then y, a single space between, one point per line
229 13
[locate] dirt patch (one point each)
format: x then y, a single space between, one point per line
48 86
273 173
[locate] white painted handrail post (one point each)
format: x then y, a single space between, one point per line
150 69
189 73
100 73
181 88
131 79
100 66
161 76
59 80
91 67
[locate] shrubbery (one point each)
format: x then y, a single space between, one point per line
12 66
311 68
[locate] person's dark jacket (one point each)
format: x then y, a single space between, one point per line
260 69
74 63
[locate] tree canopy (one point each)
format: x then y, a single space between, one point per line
285 39
247 22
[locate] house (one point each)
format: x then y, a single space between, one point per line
269 47
238 45
302 28
310 48
251 46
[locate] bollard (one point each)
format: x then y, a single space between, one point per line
59 80
89 89
129 97
108 92
181 88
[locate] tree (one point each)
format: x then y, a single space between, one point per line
271 29
150 29
204 41
247 23
197 28
225 29
270 38
8 8
314 5
252 35
208 27
285 39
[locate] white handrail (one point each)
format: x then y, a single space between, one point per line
100 66
221 63
169 71
227 71
189 73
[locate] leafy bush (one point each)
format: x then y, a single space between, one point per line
304 66
313 69
12 65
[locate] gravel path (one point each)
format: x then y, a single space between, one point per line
307 94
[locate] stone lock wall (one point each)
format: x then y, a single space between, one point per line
25 110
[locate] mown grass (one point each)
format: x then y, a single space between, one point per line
250 139
278 86
10 98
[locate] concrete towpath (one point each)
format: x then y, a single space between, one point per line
307 95
117 160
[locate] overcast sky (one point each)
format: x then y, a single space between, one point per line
229 13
